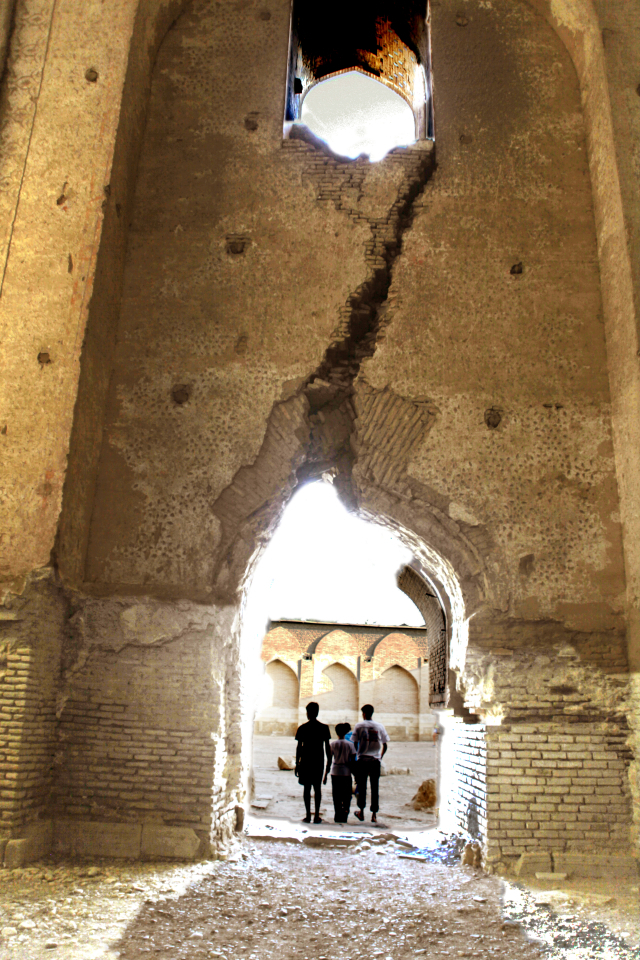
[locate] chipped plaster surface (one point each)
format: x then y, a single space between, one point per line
530 345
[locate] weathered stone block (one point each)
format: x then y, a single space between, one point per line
160 841
35 844
595 865
97 839
531 863
16 853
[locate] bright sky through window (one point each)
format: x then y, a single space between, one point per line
325 564
356 114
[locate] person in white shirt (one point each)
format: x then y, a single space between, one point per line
370 739
343 751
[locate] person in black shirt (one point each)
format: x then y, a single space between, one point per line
313 742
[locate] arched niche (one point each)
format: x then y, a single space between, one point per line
278 699
396 692
281 686
337 694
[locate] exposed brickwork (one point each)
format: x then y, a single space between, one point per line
29 667
468 754
136 738
292 636
557 787
397 649
557 767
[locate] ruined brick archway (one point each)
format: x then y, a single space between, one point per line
378 360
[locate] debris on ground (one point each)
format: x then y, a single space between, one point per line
554 919
425 798
375 896
286 763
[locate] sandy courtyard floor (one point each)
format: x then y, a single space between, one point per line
282 794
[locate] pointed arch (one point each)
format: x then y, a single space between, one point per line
396 692
339 697
279 696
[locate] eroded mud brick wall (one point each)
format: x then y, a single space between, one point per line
557 766
31 631
434 336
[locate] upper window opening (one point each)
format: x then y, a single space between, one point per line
359 74
356 114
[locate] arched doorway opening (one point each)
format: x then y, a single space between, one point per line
336 601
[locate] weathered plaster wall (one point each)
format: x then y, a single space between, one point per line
250 348
56 144
540 487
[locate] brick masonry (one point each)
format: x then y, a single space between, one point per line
30 644
342 666
550 771
134 745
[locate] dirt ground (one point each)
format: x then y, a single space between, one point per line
282 794
297 892
290 901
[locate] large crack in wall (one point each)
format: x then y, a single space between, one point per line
313 432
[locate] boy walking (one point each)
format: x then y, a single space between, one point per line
370 739
342 751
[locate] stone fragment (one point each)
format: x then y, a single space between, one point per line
16 854
554 899
286 763
472 855
425 798
8 932
27 925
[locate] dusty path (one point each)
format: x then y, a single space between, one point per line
294 902
284 901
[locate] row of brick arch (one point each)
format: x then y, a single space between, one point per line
395 691
393 649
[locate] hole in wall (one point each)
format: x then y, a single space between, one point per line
356 114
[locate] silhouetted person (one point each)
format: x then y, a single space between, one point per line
342 751
313 742
370 739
